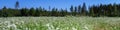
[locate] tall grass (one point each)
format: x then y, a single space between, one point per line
60 23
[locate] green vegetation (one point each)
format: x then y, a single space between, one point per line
109 10
60 23
100 17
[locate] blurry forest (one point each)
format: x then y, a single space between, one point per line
109 10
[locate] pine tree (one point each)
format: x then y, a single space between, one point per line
71 9
24 12
83 11
75 11
37 13
79 9
16 4
32 12
4 12
115 10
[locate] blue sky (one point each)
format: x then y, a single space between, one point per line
54 3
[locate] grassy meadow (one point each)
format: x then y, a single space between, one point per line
60 23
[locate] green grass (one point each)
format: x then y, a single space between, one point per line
60 23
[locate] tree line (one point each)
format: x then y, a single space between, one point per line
110 10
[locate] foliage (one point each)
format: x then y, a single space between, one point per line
110 10
60 23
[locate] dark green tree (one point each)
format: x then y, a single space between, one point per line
17 5
4 12
72 10
115 10
83 11
37 13
32 12
75 11
79 9
24 12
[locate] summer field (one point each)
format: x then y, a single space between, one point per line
60 23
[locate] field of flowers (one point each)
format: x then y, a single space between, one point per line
60 23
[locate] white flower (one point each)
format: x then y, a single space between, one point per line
74 28
57 28
12 25
48 24
86 27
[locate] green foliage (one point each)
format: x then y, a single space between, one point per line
60 23
32 12
24 12
84 11
110 10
